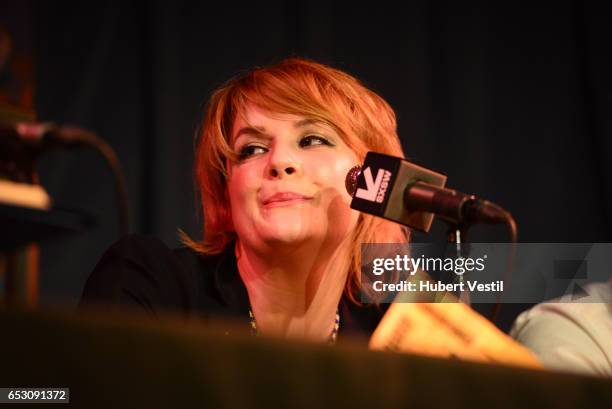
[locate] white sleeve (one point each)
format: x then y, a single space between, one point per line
575 337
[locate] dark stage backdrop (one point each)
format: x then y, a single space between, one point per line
511 101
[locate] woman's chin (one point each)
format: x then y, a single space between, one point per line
285 236
290 234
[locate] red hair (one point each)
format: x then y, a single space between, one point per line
294 86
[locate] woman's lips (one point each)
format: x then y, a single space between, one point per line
284 199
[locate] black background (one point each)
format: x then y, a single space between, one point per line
510 100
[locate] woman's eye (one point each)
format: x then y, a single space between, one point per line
250 150
313 140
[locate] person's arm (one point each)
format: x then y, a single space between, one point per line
570 337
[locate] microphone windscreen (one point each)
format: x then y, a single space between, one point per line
351 179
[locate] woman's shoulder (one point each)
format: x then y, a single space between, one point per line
142 250
142 271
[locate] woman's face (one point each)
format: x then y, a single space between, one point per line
288 185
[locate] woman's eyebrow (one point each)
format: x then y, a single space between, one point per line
258 132
261 131
307 121
250 130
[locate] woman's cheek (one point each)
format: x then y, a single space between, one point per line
241 181
243 189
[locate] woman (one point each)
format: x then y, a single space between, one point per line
281 245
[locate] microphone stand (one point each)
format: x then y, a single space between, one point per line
457 235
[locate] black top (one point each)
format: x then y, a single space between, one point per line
143 273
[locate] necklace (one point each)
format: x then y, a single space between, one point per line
332 337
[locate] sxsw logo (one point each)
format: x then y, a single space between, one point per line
375 189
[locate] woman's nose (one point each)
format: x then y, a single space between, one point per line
286 170
283 162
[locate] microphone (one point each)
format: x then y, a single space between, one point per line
400 191
25 141
41 136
